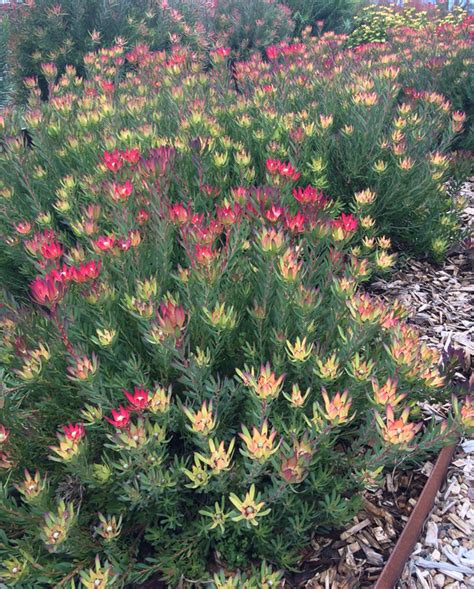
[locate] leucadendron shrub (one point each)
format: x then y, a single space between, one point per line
349 119
327 15
64 31
192 378
434 48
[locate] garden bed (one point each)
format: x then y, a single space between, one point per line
199 374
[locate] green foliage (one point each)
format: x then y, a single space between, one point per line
378 24
327 15
191 374
4 74
375 23
250 26
63 32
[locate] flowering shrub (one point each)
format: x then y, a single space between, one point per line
63 32
344 118
249 26
190 371
375 22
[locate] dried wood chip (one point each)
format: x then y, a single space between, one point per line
351 531
372 556
460 524
431 538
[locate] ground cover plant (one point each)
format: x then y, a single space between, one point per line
191 377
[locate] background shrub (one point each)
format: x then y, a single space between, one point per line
63 32
332 15
374 23
4 77
438 64
249 26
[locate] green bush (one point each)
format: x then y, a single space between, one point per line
326 15
4 74
190 373
250 26
375 23
63 32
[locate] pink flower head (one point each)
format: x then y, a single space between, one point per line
131 155
221 52
286 170
171 318
228 215
113 160
274 213
46 291
272 166
178 214
348 222
62 273
309 196
272 52
52 250
88 271
107 87
120 417
23 227
122 191
105 242
204 255
343 226
74 432
295 224
139 400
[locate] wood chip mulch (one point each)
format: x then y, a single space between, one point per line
444 555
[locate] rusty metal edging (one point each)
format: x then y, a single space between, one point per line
411 532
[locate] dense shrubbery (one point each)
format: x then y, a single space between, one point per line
63 32
327 15
435 61
349 120
199 378
375 23
48 31
4 77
